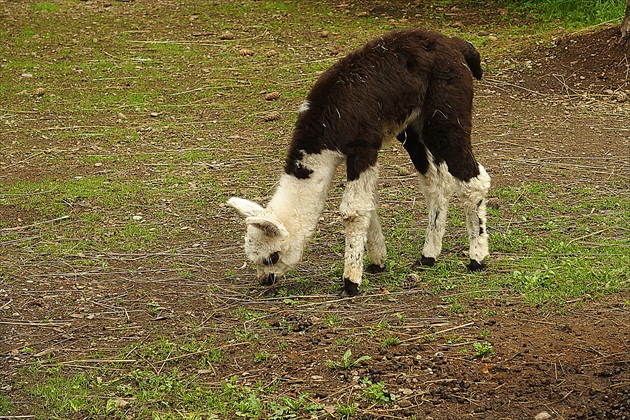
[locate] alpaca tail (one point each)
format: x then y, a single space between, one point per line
473 59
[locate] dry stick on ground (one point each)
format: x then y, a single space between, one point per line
591 234
497 83
438 332
34 224
29 157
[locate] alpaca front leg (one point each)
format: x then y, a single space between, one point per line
474 194
356 237
358 211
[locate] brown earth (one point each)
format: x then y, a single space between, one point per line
595 62
569 364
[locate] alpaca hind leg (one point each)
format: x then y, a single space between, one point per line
436 185
473 193
357 211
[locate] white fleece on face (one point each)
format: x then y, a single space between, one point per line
294 208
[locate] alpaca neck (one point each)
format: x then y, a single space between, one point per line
298 203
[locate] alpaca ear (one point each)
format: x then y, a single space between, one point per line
245 207
271 227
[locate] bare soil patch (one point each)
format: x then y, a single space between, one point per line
596 62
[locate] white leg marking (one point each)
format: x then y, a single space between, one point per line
437 186
357 208
376 249
473 194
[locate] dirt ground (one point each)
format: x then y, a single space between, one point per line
569 364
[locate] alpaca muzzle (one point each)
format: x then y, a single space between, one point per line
267 279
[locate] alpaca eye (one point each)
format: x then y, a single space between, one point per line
272 259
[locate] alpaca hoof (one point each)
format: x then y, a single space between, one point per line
475 266
351 289
374 269
427 261
267 279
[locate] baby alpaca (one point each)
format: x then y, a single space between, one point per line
415 85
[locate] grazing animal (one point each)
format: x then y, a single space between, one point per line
415 85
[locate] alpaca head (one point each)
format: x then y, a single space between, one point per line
268 243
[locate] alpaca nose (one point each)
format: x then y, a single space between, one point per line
267 279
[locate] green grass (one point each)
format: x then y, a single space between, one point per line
45 7
376 393
575 13
347 361
549 245
104 391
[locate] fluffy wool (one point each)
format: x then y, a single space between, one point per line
415 85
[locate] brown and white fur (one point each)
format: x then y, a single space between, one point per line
416 85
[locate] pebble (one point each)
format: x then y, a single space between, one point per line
543 415
272 96
137 217
410 281
227 35
271 116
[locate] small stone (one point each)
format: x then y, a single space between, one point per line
137 218
246 52
27 75
155 114
410 281
324 34
271 116
98 164
272 96
543 415
227 35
